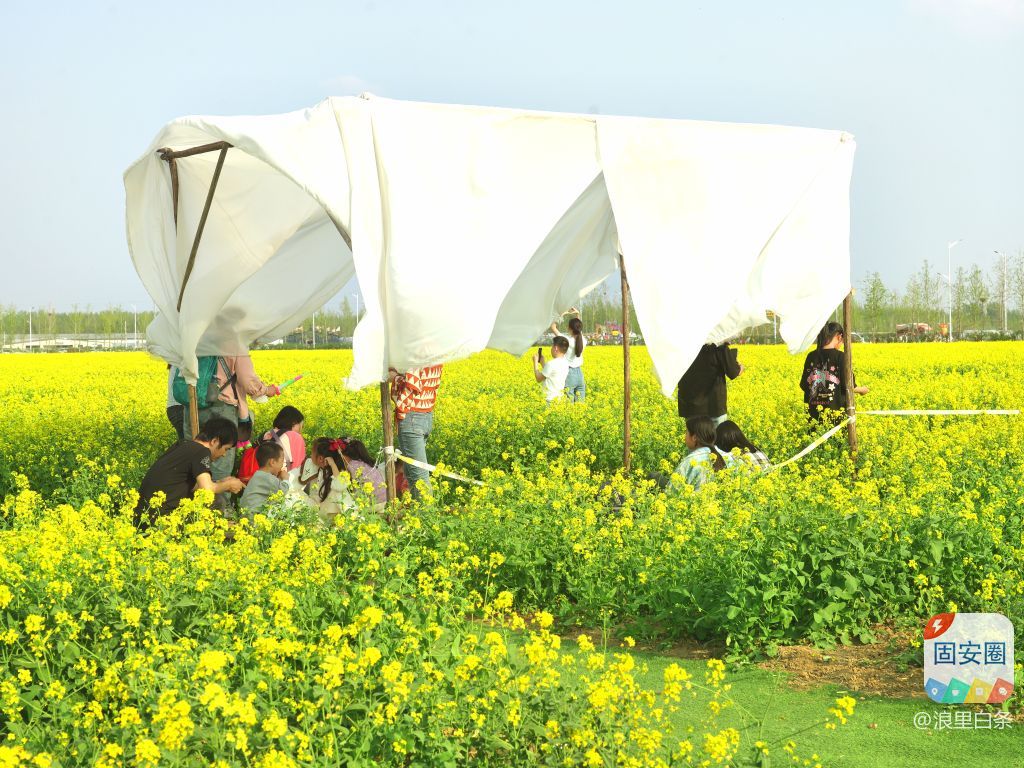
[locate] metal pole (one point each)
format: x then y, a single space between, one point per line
30 329
949 274
314 330
627 399
851 406
389 437
1002 257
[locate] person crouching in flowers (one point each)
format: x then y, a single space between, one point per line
270 478
697 466
185 468
360 468
729 437
327 488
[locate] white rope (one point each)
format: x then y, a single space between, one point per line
941 413
815 444
392 453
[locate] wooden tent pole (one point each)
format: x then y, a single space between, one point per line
627 397
193 405
851 405
171 157
389 437
202 223
193 410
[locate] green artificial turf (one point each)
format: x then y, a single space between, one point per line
881 732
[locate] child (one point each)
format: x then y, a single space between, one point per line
823 380
288 432
271 477
574 380
697 465
552 375
361 470
728 436
327 489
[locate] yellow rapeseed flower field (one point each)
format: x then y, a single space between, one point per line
429 637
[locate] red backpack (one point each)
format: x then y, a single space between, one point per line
249 466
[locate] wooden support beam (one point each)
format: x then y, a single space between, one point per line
193 410
202 222
389 437
170 154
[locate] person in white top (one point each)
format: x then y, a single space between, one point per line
551 374
574 381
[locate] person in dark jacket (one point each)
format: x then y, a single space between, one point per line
702 390
823 380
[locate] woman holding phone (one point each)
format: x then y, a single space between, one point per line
574 382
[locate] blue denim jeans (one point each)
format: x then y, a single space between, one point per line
413 432
577 388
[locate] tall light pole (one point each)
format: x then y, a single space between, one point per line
135 327
1002 256
314 329
30 310
949 281
356 297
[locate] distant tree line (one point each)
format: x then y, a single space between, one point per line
981 299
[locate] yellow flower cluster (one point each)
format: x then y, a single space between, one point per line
218 649
435 636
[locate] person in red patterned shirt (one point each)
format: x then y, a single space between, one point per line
415 393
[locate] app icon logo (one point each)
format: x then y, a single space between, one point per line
968 658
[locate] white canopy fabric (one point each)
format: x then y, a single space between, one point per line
470 227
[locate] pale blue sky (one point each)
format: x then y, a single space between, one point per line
932 89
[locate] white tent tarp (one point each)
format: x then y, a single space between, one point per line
469 227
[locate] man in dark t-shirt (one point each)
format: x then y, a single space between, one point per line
184 468
702 390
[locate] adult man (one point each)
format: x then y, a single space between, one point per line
552 375
702 390
236 379
185 467
415 393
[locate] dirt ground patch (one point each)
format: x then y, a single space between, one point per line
872 670
868 669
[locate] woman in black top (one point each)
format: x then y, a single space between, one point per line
824 379
702 390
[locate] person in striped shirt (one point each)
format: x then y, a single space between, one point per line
415 393
729 437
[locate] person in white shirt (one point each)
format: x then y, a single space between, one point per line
574 381
551 375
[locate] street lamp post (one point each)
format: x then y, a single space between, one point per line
30 310
949 282
1002 256
314 329
135 327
